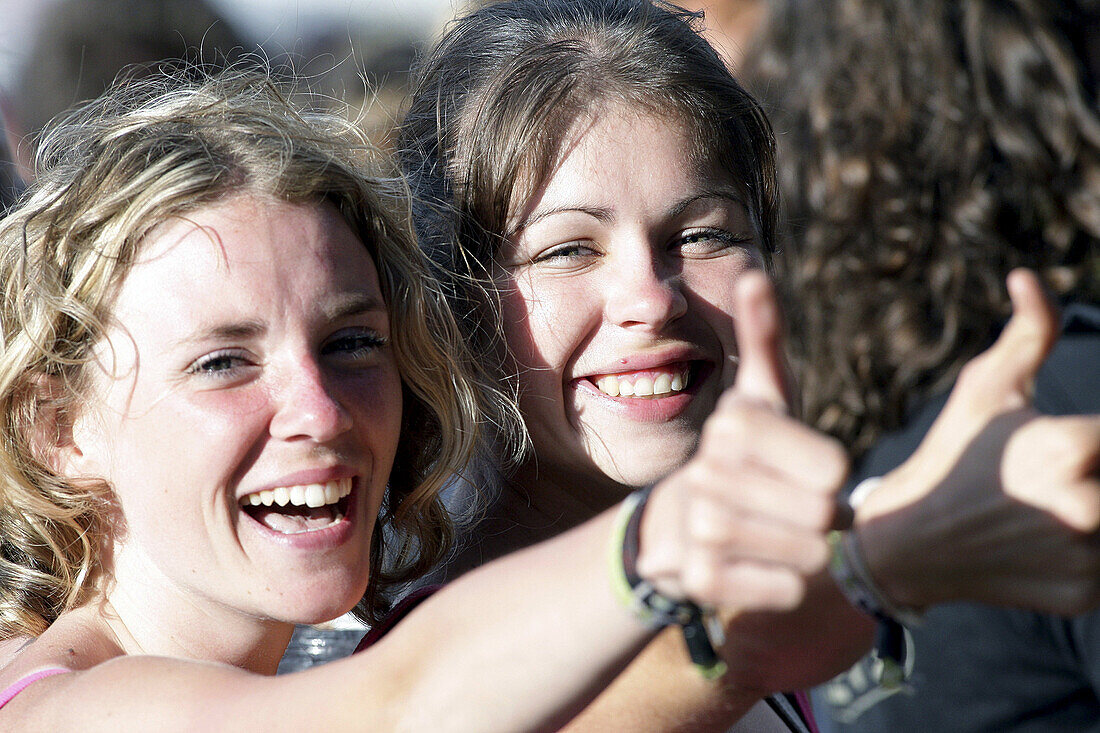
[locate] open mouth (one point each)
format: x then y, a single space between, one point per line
655 383
302 508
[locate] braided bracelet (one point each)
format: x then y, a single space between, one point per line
648 603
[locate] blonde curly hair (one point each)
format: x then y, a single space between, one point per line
107 175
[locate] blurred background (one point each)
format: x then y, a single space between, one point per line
54 53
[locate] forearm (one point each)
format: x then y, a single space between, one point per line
661 691
766 652
522 643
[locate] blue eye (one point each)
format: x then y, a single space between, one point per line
220 364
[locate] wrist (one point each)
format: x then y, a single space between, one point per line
895 536
648 603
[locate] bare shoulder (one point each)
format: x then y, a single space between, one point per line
121 692
75 642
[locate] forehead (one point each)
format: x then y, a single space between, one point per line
619 151
243 249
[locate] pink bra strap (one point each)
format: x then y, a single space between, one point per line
24 682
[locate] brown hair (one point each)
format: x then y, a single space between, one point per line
927 147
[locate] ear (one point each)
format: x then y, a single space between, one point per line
51 434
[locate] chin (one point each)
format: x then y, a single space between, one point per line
644 470
318 602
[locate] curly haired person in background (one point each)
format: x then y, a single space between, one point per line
926 148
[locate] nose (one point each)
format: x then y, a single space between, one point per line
307 407
644 293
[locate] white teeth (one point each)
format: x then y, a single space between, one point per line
298 495
623 385
609 385
315 496
309 495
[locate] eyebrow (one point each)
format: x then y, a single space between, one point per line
720 194
354 304
344 306
605 215
599 213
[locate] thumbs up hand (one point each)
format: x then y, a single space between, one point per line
746 518
999 504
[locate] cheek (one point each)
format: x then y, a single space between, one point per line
204 441
375 399
543 321
711 298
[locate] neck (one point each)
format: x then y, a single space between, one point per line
161 620
564 497
535 504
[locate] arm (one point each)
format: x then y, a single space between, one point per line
781 478
520 644
517 645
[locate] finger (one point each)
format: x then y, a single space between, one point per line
733 535
1010 365
743 586
761 371
742 435
1075 503
768 497
1052 464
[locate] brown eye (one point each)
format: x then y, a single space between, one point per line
567 251
709 241
354 344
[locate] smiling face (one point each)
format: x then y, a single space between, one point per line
246 367
618 300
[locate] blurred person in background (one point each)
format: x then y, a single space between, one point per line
926 147
81 46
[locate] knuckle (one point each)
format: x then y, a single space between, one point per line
817 556
818 511
835 464
699 578
706 523
973 373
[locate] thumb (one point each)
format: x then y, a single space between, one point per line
761 372
1015 358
